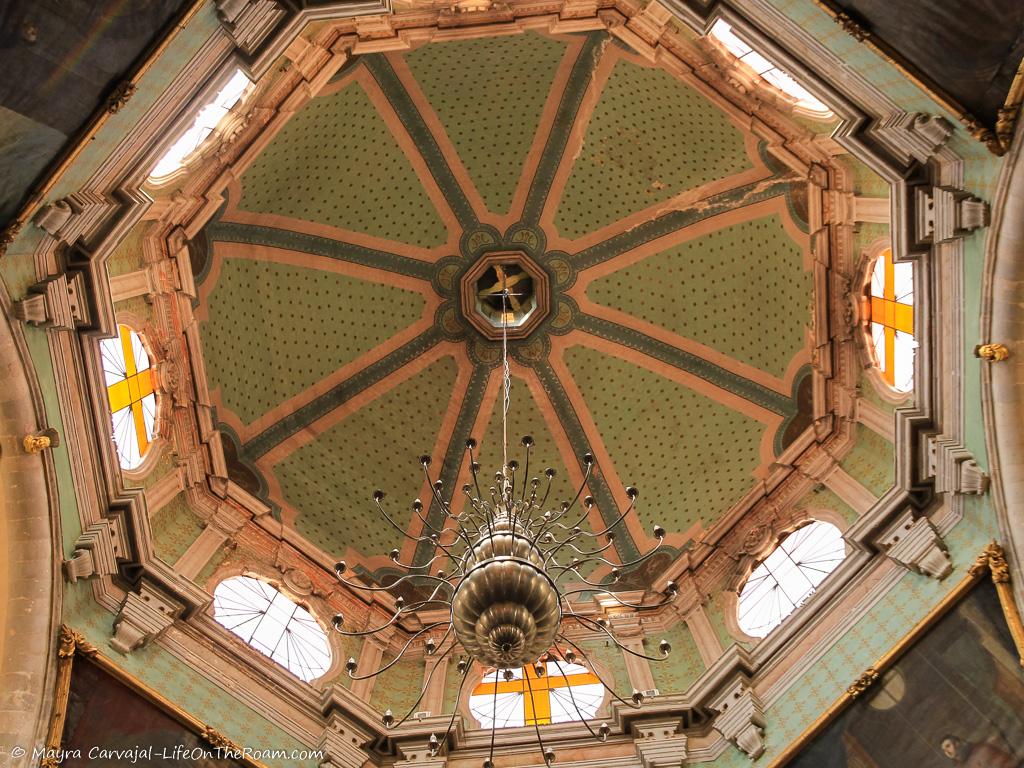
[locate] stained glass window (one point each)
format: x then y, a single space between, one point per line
722 31
130 390
562 692
892 321
206 121
788 576
273 625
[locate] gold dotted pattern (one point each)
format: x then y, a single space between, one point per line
489 94
398 688
872 461
335 162
274 330
650 138
690 457
741 290
330 481
683 665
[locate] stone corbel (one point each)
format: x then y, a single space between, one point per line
651 22
954 468
740 718
96 550
248 22
916 545
70 218
660 743
919 135
341 741
57 302
941 214
143 617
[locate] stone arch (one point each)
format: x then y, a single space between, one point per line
30 548
1002 321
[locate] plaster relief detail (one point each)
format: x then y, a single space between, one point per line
144 616
741 718
660 743
916 545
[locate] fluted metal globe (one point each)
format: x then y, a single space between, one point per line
506 609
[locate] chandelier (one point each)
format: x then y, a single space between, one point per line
499 577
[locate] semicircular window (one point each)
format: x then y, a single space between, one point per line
206 122
784 580
131 394
891 317
563 692
273 625
723 32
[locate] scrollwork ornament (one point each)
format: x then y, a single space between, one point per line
862 683
72 642
219 741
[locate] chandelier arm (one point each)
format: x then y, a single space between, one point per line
619 519
536 727
445 505
573 699
547 492
394 583
591 553
526 473
411 567
396 526
430 674
581 652
597 626
401 653
458 695
635 606
472 463
583 485
631 563
550 554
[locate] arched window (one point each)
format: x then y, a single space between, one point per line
207 120
722 32
529 698
788 576
273 625
130 391
890 303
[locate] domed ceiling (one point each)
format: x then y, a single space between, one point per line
658 255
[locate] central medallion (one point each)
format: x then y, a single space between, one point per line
521 310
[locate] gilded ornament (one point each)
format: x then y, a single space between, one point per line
993 353
120 96
862 683
218 741
36 443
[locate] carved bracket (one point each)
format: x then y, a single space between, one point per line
97 550
740 718
917 546
660 743
953 467
144 616
57 302
340 741
248 22
941 214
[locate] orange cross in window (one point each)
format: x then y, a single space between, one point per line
537 707
892 315
130 390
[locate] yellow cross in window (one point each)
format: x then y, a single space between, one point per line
537 707
130 391
892 315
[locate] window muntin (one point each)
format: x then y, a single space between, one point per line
788 576
131 394
722 31
206 121
891 318
273 625
509 703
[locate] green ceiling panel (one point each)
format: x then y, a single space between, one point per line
489 94
330 480
872 462
741 290
705 452
300 325
683 665
820 498
335 162
174 528
650 138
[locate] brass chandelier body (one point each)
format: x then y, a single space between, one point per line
498 569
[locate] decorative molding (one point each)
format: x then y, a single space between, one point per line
249 22
953 467
862 683
144 615
342 743
57 302
941 214
915 544
740 718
